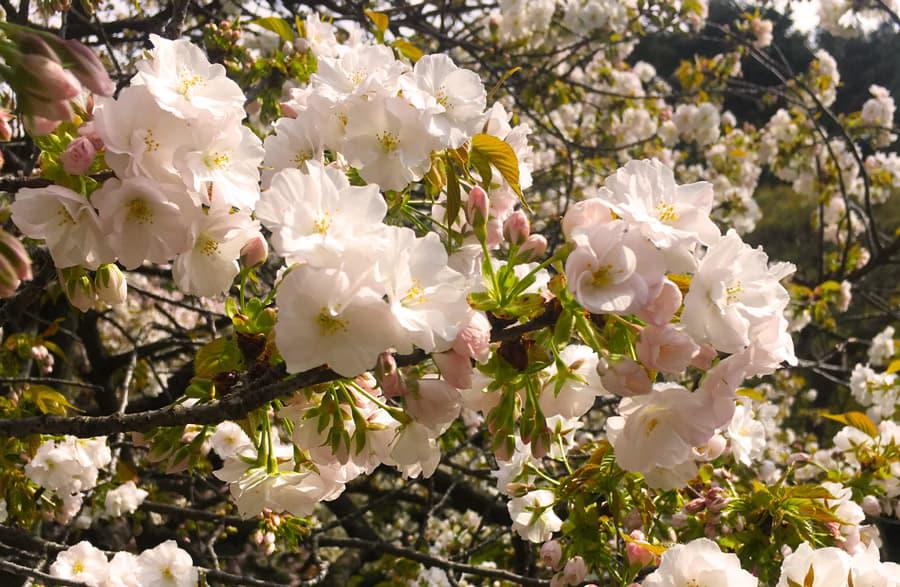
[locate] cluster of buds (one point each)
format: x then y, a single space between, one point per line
108 286
47 72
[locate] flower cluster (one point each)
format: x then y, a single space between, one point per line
163 566
187 178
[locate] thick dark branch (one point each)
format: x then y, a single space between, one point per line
236 405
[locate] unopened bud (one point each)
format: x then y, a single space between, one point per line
78 287
870 505
53 82
5 129
14 252
110 284
477 207
551 553
88 68
534 247
695 505
516 228
78 156
254 252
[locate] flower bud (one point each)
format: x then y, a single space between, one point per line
392 384
516 228
13 251
5 129
695 505
88 68
254 252
78 156
54 83
636 553
110 284
551 552
88 131
870 505
575 571
78 287
477 207
534 247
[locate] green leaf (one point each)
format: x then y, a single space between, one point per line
501 156
279 26
48 400
408 50
894 366
218 356
381 21
855 419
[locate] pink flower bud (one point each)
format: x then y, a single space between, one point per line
78 156
388 376
534 247
13 251
254 252
659 311
55 83
455 367
636 553
551 552
88 68
474 338
624 377
516 228
575 570
695 505
88 131
5 129
666 348
477 206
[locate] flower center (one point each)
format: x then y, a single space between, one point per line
64 216
389 141
140 212
666 212
732 294
302 157
415 294
328 324
602 276
206 245
188 81
77 568
322 223
217 160
651 426
442 98
150 143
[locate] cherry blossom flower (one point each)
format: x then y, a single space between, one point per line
144 220
183 82
699 562
340 321
66 221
